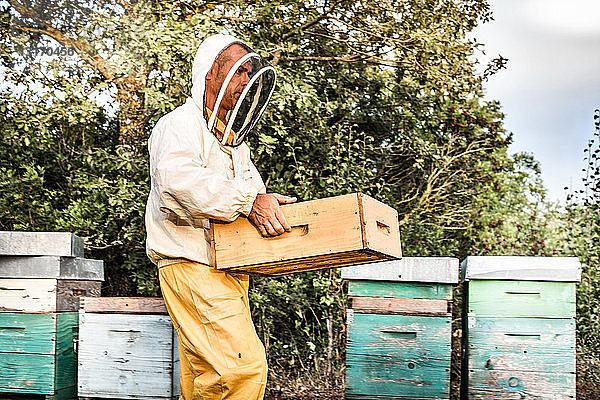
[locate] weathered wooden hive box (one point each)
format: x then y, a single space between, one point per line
520 327
399 329
127 349
331 232
42 275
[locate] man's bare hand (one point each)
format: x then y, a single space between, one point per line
266 214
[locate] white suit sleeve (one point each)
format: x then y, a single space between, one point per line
253 172
192 191
257 178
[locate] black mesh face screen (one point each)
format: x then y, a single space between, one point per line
252 103
244 95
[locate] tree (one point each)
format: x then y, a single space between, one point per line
379 97
580 236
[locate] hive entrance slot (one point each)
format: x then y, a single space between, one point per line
523 293
523 336
399 334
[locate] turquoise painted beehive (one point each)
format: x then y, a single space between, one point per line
519 327
37 354
399 329
42 276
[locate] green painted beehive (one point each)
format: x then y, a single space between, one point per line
37 354
399 329
519 327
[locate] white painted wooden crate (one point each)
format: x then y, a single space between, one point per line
127 349
36 284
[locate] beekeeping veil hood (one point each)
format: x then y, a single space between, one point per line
257 79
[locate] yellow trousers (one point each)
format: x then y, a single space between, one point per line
221 356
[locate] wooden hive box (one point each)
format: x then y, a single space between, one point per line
127 349
519 327
331 232
47 283
399 329
37 354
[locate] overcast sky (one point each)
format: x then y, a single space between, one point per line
551 86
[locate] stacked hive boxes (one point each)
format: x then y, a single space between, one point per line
399 329
127 349
520 327
42 275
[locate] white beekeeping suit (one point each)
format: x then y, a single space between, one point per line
196 176
200 169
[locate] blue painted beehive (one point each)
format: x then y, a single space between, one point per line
399 329
519 327
131 340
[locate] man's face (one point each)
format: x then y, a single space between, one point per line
217 75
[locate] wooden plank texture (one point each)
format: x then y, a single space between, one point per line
176 366
67 333
66 244
69 291
381 231
522 268
52 267
44 295
406 290
522 344
27 373
126 356
326 233
27 333
397 356
393 305
518 385
408 269
40 358
62 394
28 295
387 396
125 305
521 299
334 260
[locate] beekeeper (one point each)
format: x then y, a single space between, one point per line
200 169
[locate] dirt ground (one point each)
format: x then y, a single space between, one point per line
292 394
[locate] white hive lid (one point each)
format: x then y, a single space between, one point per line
521 268
407 269
62 244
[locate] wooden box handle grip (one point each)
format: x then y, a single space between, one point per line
302 227
383 227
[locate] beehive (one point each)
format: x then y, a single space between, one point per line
37 354
399 329
519 327
42 276
127 349
326 233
